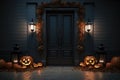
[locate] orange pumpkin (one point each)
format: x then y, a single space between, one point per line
17 66
40 64
115 62
35 65
108 65
82 64
98 65
26 60
2 63
9 65
90 60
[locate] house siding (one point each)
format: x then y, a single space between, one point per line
107 26
14 24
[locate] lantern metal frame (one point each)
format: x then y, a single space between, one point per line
15 54
101 54
32 26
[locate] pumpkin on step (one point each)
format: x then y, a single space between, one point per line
40 64
8 65
17 66
115 62
108 65
90 60
82 64
26 60
99 65
35 65
2 63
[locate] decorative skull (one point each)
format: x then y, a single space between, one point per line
26 60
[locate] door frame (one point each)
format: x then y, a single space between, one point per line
71 14
79 25
75 31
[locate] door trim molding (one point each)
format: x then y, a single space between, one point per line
78 26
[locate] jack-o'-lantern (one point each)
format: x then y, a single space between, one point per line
90 60
26 60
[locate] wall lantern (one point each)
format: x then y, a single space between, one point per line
101 54
89 26
32 26
15 54
102 59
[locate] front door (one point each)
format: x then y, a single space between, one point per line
60 35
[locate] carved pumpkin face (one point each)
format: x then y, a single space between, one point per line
90 60
26 60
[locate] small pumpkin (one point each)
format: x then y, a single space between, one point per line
2 63
40 64
90 60
17 66
24 67
35 65
26 60
108 65
98 65
82 64
9 65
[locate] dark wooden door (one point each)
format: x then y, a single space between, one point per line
60 34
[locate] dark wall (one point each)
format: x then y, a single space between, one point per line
14 19
12 26
107 25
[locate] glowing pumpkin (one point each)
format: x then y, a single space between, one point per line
35 65
23 67
82 64
40 64
98 65
26 60
90 60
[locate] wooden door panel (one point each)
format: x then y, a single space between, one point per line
67 44
67 53
67 31
59 38
52 53
52 39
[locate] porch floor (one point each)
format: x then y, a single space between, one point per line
59 73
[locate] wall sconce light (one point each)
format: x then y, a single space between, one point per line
32 26
89 26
